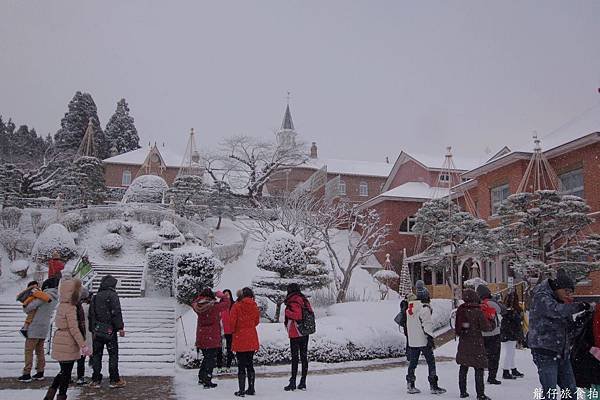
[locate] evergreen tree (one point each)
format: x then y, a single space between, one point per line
196 269
187 190
221 202
120 131
74 124
10 181
283 255
83 181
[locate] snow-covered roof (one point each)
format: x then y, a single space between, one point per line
408 191
577 132
351 167
137 157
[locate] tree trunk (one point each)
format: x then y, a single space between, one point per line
341 296
219 223
277 311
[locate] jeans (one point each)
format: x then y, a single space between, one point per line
462 380
554 370
245 369
413 354
81 367
113 359
62 380
299 350
492 351
230 356
209 360
37 346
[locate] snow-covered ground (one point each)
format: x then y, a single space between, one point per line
381 385
30 394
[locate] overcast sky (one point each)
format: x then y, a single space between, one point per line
368 78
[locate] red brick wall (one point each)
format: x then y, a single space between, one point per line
593 288
411 171
113 174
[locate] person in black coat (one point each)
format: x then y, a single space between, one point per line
511 332
105 321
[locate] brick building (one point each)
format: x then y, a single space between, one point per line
121 170
358 180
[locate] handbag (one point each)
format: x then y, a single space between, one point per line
102 331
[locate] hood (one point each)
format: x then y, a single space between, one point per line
108 282
69 291
484 292
543 287
248 303
470 296
203 304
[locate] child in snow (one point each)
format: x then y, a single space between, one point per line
28 295
470 323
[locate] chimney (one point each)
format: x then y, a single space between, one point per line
313 150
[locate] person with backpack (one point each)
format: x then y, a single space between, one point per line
299 323
585 354
511 332
491 339
105 323
244 319
226 352
419 326
469 326
208 306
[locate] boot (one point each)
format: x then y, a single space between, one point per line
51 393
302 384
507 375
493 381
292 386
516 373
464 395
483 397
410 387
433 386
251 379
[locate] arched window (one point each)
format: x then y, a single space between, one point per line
342 188
126 179
408 224
363 189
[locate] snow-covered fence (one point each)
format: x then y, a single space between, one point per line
230 252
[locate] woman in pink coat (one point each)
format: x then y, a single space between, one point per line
295 302
208 306
227 333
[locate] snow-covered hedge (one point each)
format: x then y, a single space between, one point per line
146 189
148 238
111 242
349 331
282 254
54 238
168 230
114 226
72 221
160 265
197 268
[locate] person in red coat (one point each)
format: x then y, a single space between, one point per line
294 303
244 318
208 306
227 333
55 265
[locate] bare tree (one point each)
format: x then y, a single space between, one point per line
363 233
249 163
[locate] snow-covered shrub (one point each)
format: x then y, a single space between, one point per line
146 189
11 217
160 265
19 268
72 221
114 226
13 241
148 238
111 242
36 219
54 238
196 269
283 255
168 230
127 226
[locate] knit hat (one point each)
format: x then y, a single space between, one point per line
50 283
484 292
562 281
422 292
293 288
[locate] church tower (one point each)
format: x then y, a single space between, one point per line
286 136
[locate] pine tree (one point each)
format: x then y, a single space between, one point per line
315 275
187 190
283 255
10 181
405 283
196 269
120 131
73 125
83 181
221 202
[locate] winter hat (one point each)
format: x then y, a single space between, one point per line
422 292
562 281
484 292
470 296
50 283
293 288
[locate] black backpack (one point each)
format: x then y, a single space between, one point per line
307 325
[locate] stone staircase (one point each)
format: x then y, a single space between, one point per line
148 347
130 279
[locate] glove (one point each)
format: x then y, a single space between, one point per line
85 351
430 342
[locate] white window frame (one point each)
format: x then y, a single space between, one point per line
410 223
577 190
363 189
495 204
342 188
123 180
